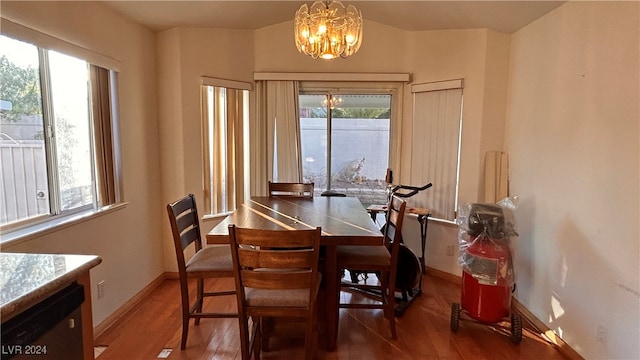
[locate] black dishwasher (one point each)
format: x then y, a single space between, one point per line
51 329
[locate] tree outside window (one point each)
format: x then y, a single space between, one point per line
46 140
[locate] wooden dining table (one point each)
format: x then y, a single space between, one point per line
344 221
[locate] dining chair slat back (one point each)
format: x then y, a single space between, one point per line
207 262
381 260
275 278
291 189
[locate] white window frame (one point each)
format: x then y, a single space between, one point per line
395 89
26 229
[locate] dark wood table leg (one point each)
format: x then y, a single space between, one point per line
333 295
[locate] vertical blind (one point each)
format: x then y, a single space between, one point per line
437 121
223 156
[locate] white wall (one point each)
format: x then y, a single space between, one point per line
186 55
571 131
480 57
275 51
127 240
573 135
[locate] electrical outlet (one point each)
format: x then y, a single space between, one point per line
101 289
601 334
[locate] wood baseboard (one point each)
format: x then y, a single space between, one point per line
544 330
527 315
444 275
130 304
173 275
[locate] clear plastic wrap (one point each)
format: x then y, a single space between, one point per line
484 236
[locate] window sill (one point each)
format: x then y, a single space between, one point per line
31 232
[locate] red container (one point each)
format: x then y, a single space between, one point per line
487 280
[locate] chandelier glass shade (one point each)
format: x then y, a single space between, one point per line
328 30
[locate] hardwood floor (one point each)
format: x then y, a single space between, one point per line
423 332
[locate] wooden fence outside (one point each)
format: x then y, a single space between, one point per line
24 192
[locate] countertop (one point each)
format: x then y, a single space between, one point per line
26 279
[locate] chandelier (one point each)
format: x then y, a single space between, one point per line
328 30
332 101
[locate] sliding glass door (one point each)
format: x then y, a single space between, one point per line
346 136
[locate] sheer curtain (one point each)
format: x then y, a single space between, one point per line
275 134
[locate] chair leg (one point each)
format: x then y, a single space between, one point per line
266 328
185 328
257 339
200 298
311 338
245 342
392 321
389 305
184 303
388 302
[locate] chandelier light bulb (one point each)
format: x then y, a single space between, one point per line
328 30
332 101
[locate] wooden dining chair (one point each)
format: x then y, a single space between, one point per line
299 190
382 260
277 276
208 262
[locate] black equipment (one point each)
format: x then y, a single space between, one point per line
408 274
410 268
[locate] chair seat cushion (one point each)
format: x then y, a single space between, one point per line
362 257
280 298
213 258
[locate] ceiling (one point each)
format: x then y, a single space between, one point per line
503 16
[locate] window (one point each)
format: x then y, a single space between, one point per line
435 151
345 143
56 139
225 116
